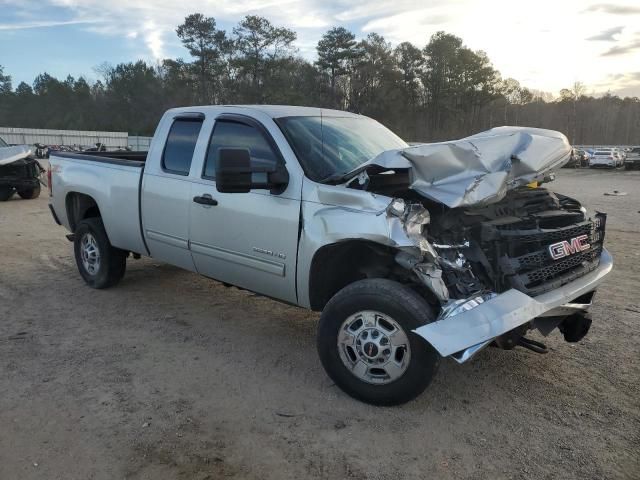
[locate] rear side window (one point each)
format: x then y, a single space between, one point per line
227 134
181 142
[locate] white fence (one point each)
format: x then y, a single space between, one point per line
30 136
139 144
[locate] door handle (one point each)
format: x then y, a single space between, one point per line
205 199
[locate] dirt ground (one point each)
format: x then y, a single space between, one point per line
173 376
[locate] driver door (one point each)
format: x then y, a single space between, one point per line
246 239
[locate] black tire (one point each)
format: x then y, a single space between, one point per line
409 310
113 261
5 193
30 193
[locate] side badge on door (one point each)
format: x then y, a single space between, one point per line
270 252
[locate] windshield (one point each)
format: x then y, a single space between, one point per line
329 146
3 143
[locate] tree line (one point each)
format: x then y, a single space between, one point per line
441 91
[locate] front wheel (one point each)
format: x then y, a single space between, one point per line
100 264
366 343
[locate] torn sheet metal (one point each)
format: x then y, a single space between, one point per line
334 214
459 329
479 169
11 154
341 214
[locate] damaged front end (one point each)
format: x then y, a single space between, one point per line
500 255
492 271
472 230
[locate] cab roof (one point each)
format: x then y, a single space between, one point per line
277 111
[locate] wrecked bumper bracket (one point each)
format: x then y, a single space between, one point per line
464 334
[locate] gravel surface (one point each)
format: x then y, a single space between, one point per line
171 375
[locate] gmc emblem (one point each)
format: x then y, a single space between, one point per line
569 247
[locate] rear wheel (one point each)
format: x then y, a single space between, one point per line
5 193
100 264
30 193
366 343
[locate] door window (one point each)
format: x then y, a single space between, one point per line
181 142
228 134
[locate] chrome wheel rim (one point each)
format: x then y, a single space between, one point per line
90 254
374 347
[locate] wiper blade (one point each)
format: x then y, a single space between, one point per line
336 178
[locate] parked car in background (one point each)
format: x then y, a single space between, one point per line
622 152
574 160
632 162
604 159
583 157
577 158
19 172
617 152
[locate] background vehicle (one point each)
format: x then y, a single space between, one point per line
578 158
18 172
620 156
583 157
407 251
574 159
604 159
622 152
633 159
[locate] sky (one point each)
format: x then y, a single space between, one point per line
546 45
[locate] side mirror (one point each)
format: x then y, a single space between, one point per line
237 172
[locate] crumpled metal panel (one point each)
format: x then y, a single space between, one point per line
479 169
475 327
332 214
11 154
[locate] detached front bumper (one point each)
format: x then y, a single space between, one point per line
464 334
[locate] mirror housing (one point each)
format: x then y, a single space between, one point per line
237 172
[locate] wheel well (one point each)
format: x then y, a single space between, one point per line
80 206
339 264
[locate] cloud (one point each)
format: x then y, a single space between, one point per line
415 25
356 10
153 39
606 35
622 84
622 49
614 9
154 21
528 44
24 26
406 19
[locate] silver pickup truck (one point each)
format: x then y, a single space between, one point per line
411 253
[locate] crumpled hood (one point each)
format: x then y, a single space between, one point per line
479 169
11 154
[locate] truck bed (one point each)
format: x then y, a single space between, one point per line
112 180
131 159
